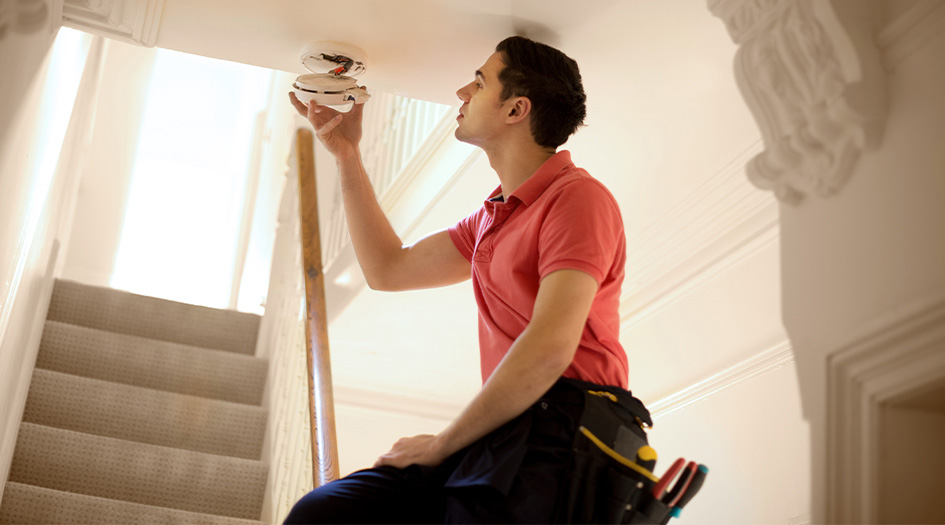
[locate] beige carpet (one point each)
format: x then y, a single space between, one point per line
140 410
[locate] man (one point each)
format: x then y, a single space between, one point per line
546 253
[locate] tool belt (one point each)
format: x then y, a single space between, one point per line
576 450
608 482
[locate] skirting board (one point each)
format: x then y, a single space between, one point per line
28 312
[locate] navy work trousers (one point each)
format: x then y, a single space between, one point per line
516 474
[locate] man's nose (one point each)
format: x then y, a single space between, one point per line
461 93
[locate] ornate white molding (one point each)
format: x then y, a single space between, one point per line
812 76
898 354
132 21
772 358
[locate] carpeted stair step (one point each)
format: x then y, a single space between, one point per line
144 415
139 473
32 504
154 318
150 363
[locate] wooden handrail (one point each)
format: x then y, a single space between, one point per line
321 402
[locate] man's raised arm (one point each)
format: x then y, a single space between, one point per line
387 264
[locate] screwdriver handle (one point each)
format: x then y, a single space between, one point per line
698 478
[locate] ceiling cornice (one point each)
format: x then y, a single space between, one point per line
132 21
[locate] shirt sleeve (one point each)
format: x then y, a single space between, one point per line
582 230
463 234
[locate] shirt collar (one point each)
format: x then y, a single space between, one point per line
535 185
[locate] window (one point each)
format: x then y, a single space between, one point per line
181 228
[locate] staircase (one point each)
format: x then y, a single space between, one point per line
140 410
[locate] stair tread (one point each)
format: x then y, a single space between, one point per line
32 504
145 415
162 365
112 468
133 314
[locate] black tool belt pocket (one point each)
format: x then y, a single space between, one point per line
607 483
606 487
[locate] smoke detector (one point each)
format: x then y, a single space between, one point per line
332 79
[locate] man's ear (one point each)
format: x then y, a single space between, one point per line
519 110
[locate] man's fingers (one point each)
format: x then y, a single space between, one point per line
386 459
329 126
298 105
358 109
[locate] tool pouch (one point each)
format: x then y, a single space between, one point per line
604 490
606 485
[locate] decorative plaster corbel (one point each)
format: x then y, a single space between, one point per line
132 21
812 76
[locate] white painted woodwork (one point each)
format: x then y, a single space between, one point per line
132 21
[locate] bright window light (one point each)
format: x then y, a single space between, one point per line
181 227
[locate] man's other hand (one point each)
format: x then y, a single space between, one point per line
421 450
339 132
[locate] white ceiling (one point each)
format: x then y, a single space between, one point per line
420 48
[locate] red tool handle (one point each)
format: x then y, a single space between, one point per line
667 478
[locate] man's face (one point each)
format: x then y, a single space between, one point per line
480 116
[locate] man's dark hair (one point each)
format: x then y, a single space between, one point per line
551 80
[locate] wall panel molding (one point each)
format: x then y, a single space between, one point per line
132 21
719 224
897 354
770 359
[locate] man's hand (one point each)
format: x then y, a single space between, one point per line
339 132
420 450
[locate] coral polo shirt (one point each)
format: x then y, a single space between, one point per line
560 218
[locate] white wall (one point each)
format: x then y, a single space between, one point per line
669 134
365 433
752 439
40 166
